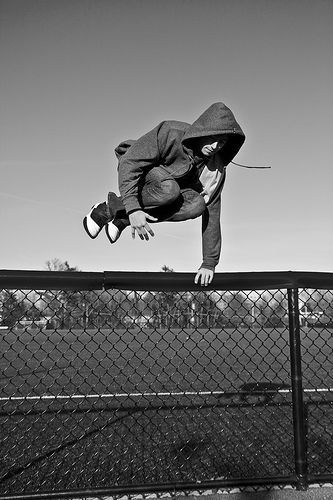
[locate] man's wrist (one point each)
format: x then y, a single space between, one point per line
207 266
131 204
134 210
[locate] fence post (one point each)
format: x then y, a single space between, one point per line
297 391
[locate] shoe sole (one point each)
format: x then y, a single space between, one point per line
108 236
85 224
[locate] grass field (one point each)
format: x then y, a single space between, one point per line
84 409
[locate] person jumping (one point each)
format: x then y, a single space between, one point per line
173 173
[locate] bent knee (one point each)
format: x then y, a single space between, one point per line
171 190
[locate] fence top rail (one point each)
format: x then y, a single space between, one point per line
50 280
128 280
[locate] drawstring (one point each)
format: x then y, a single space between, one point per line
246 166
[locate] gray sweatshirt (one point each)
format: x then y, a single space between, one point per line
172 144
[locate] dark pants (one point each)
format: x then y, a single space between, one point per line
163 197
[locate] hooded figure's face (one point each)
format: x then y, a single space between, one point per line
215 123
209 145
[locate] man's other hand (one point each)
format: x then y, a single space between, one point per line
140 225
204 277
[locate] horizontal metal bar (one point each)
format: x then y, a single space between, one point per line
128 280
320 478
51 280
221 281
157 488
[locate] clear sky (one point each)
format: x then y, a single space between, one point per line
79 76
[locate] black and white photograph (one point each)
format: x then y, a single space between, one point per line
166 258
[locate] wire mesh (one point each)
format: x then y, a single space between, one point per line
316 316
121 388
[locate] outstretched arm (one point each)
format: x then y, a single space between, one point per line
211 242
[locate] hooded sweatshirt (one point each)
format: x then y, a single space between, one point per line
173 145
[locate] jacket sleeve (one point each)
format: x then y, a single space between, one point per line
211 234
139 158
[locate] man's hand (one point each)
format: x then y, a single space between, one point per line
140 225
204 276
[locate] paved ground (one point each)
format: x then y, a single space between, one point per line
313 493
288 493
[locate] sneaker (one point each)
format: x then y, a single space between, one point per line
94 222
115 227
112 232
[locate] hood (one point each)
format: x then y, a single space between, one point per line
123 147
218 119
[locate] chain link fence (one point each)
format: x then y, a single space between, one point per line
137 382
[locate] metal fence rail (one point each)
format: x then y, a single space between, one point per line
121 383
